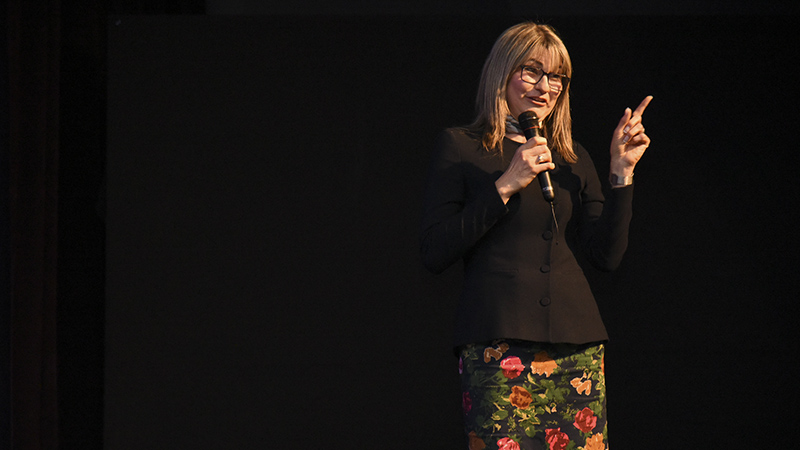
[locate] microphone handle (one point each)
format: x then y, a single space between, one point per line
546 185
530 126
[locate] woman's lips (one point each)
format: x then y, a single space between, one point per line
538 101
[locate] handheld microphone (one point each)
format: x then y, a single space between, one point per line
530 126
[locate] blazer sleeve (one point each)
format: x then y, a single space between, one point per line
457 212
605 223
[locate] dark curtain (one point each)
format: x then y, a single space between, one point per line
33 55
5 284
156 6
80 297
52 122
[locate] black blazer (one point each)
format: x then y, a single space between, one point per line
522 279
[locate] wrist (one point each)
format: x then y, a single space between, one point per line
620 168
618 181
504 191
620 174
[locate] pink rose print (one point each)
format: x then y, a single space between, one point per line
466 402
512 367
507 444
585 420
556 439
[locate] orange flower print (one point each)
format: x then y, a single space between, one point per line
520 397
475 443
595 442
582 386
543 364
496 353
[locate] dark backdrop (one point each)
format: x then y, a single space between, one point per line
264 180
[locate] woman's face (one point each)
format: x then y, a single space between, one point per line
540 97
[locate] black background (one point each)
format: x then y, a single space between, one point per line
264 180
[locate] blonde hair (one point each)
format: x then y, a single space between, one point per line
516 46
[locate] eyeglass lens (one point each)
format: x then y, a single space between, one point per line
534 74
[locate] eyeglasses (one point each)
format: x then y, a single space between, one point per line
556 81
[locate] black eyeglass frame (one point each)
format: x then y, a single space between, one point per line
564 79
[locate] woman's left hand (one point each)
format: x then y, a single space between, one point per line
629 142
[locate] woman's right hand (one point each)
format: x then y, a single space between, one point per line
531 158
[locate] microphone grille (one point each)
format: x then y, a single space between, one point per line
529 123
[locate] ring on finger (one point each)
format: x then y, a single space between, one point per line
540 159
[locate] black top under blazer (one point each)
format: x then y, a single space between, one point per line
521 280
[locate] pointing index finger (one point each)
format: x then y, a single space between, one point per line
642 106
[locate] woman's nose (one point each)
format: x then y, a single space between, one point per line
543 85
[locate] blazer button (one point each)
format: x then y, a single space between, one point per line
544 301
547 235
545 268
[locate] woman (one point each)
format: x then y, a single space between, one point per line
528 331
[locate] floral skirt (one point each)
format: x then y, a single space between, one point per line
520 395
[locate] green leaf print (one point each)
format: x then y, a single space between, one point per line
500 415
